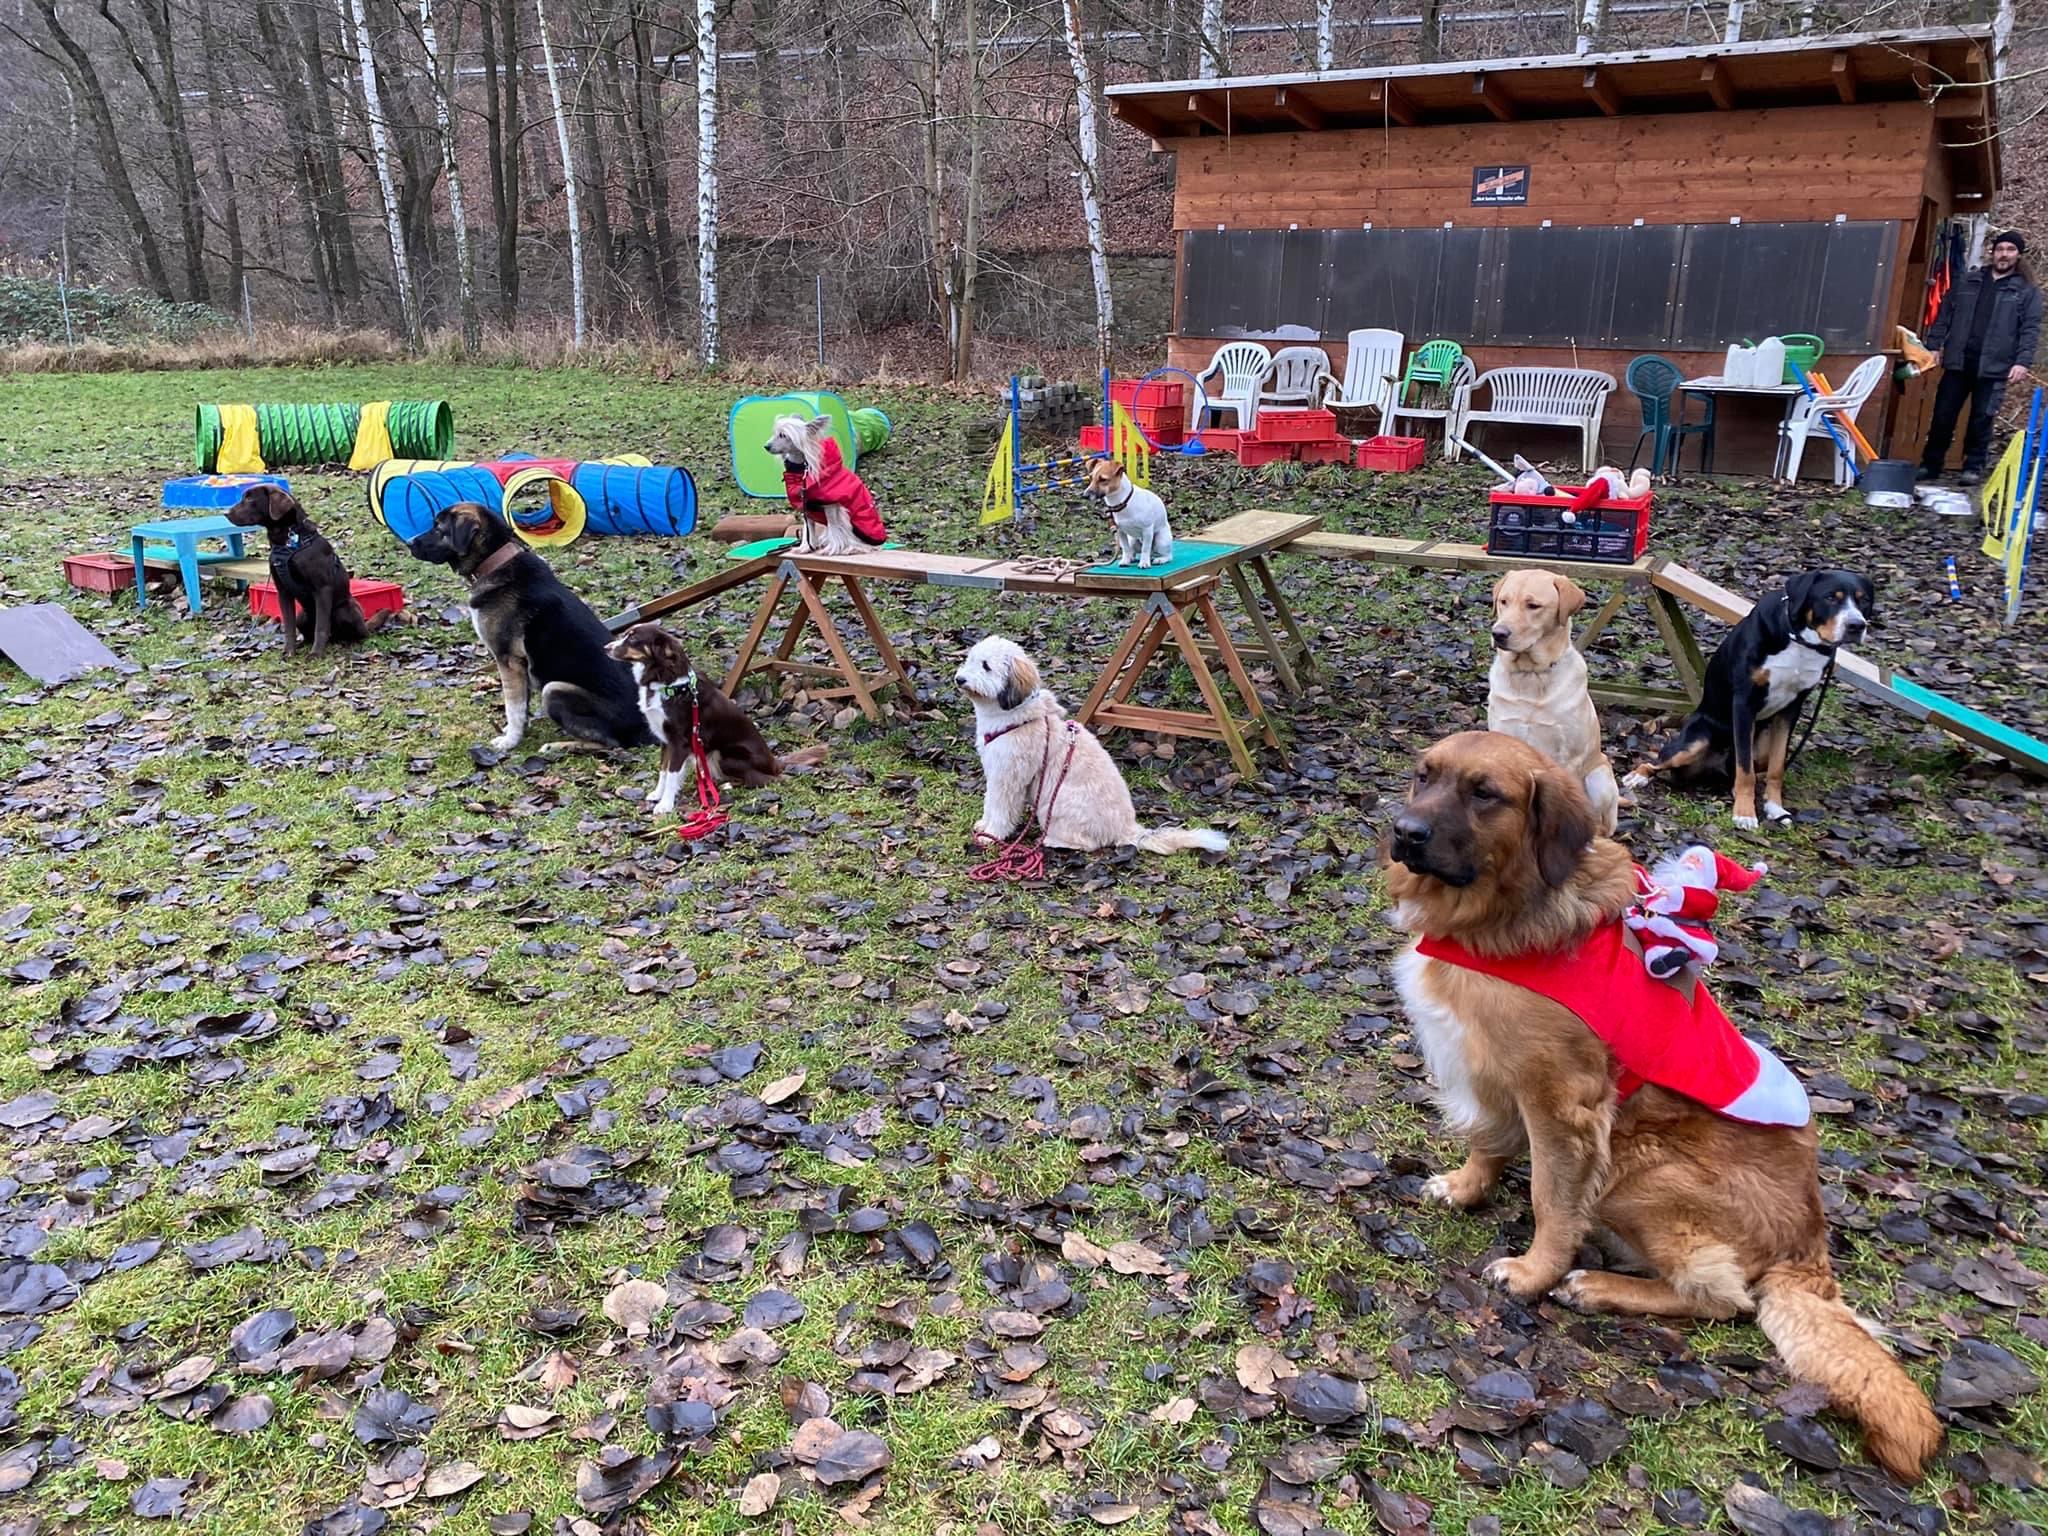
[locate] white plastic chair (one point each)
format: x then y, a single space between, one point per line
1843 405
1244 367
1299 374
1447 412
1372 365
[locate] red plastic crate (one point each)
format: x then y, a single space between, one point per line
1252 453
1610 532
1392 455
99 573
1092 440
1221 439
373 596
1169 393
1285 426
1163 424
1337 451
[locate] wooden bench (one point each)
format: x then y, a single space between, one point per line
1538 397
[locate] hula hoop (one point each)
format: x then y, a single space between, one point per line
1201 409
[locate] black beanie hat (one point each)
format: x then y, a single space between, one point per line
2012 237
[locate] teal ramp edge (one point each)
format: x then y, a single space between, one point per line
1974 725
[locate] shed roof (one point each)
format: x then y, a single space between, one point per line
1948 67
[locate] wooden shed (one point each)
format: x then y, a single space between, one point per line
1582 210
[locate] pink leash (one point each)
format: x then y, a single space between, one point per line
1024 857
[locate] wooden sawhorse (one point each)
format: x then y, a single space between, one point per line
1257 535
1163 617
1653 576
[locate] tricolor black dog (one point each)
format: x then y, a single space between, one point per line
1754 685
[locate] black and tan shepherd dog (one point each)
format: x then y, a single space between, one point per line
537 631
313 594
669 682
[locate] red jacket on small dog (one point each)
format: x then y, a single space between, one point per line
835 483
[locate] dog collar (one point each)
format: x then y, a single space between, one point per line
1014 725
496 560
1122 504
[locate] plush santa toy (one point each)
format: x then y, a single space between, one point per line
1676 901
1608 483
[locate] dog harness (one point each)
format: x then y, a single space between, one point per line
835 483
1671 1034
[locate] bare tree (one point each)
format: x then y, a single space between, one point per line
444 123
217 117
1733 32
1091 182
145 254
707 179
500 36
380 153
970 234
1326 35
162 89
547 53
1215 42
1591 13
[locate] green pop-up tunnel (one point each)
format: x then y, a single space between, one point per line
758 472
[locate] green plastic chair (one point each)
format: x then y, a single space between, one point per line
1432 364
1654 380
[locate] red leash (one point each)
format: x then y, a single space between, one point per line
1023 858
709 815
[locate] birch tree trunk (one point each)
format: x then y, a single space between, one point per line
707 180
1590 16
547 55
1734 32
444 123
2001 38
1326 36
1091 182
380 153
970 235
1214 57
930 91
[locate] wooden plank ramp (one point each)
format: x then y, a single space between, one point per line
1873 681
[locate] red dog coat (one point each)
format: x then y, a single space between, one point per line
1675 1037
834 482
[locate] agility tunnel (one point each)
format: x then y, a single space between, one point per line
248 439
547 502
757 472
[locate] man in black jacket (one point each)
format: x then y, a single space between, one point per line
1986 332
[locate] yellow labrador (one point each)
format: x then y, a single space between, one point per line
1536 691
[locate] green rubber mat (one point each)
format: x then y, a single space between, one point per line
1186 553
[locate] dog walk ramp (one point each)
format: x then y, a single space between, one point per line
1873 681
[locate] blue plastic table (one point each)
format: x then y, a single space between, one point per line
183 535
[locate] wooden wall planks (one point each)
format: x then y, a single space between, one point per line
1795 163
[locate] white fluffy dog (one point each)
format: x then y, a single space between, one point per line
1039 763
